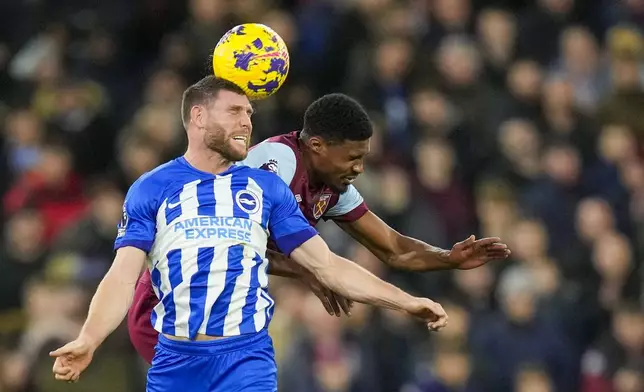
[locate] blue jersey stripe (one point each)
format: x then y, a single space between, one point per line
199 289
174 266
268 311
248 322
155 278
205 192
220 307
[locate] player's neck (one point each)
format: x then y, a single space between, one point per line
207 161
314 180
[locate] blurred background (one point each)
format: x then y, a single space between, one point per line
518 119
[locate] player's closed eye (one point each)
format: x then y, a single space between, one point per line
240 109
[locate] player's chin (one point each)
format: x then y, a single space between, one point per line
237 153
340 187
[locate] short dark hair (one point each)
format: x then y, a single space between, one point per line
202 91
336 118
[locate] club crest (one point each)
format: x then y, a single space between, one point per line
248 201
319 208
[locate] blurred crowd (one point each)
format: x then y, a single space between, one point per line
519 119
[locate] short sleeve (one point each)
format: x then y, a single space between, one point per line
138 222
288 227
275 157
350 207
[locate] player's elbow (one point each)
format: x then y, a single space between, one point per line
315 256
329 271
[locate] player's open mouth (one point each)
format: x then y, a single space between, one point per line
241 139
348 180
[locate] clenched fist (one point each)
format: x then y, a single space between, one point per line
430 312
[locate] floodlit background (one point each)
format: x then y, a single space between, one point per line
518 119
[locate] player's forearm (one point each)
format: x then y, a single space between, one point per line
108 308
416 255
347 278
357 284
281 265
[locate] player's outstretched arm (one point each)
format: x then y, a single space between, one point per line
406 253
356 283
106 312
281 265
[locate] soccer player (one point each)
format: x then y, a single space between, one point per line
319 163
201 225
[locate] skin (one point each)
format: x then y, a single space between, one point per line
218 134
336 164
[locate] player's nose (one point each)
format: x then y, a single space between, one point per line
358 168
246 122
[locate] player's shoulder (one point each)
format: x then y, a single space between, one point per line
269 181
281 149
159 176
278 154
155 182
288 139
259 174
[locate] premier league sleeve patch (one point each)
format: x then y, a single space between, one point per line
123 223
270 166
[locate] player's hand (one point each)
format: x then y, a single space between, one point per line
72 359
333 303
472 253
430 312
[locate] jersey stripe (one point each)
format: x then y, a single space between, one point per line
223 196
159 311
199 289
216 283
174 279
239 295
182 302
205 192
248 311
261 304
189 199
220 308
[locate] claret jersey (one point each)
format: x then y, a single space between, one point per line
281 154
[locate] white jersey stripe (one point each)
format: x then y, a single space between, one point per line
223 196
238 298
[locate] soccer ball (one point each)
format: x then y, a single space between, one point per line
254 57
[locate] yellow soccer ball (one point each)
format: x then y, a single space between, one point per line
254 57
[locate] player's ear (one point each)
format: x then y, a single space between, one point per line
316 144
197 116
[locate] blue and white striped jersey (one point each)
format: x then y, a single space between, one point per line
205 237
